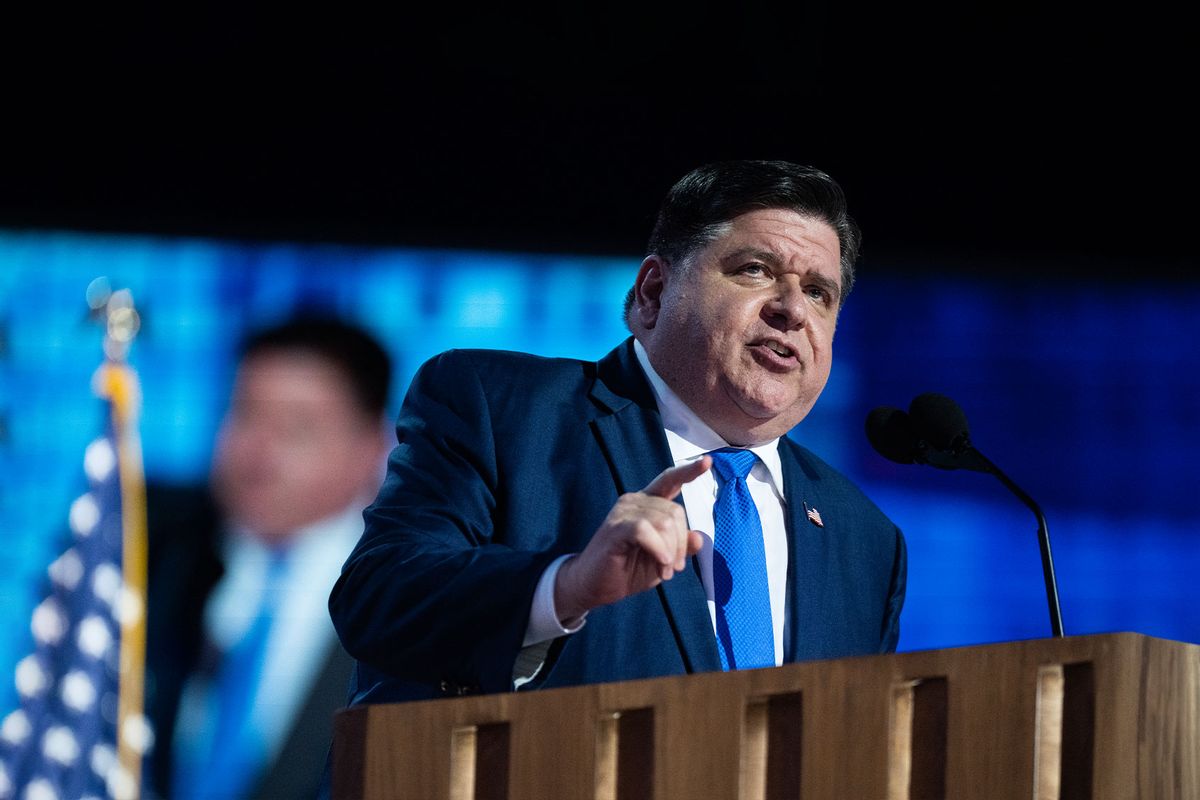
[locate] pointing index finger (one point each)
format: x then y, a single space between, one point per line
670 481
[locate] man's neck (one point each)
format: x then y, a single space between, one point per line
677 416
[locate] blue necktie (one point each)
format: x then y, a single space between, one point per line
745 637
236 750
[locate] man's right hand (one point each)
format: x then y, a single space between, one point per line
642 542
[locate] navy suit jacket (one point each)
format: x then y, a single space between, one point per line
506 461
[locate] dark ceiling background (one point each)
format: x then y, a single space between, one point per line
1017 138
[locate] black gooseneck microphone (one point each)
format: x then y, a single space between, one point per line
934 431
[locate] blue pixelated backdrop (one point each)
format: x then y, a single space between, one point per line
1086 393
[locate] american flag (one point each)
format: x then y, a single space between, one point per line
62 742
814 516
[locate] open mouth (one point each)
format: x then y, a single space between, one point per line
775 354
781 349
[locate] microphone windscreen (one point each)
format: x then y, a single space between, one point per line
939 420
890 432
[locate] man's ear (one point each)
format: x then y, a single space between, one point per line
647 291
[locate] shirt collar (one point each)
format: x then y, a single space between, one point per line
312 558
690 437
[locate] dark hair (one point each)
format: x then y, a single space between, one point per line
349 348
701 202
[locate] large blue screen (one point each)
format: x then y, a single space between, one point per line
1085 392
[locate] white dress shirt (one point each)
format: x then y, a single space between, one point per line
689 438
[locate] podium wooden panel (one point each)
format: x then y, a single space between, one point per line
1112 716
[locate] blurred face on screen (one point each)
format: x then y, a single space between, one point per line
294 447
742 329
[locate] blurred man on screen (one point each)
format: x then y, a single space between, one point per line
245 668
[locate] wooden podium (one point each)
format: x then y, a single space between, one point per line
1113 716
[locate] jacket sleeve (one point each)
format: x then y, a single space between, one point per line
433 592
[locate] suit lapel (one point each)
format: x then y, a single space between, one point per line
807 546
297 769
632 437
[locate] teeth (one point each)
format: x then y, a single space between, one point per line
780 349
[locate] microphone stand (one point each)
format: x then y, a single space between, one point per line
967 457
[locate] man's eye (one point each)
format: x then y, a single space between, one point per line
754 270
817 293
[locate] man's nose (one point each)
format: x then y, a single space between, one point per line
251 438
787 309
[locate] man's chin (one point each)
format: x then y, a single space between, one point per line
262 522
751 430
766 421
746 418
270 532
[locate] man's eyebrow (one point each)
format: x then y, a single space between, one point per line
769 256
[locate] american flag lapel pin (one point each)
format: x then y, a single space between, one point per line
814 516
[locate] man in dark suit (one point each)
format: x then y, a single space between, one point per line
528 533
244 668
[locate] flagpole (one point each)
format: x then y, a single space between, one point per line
117 381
